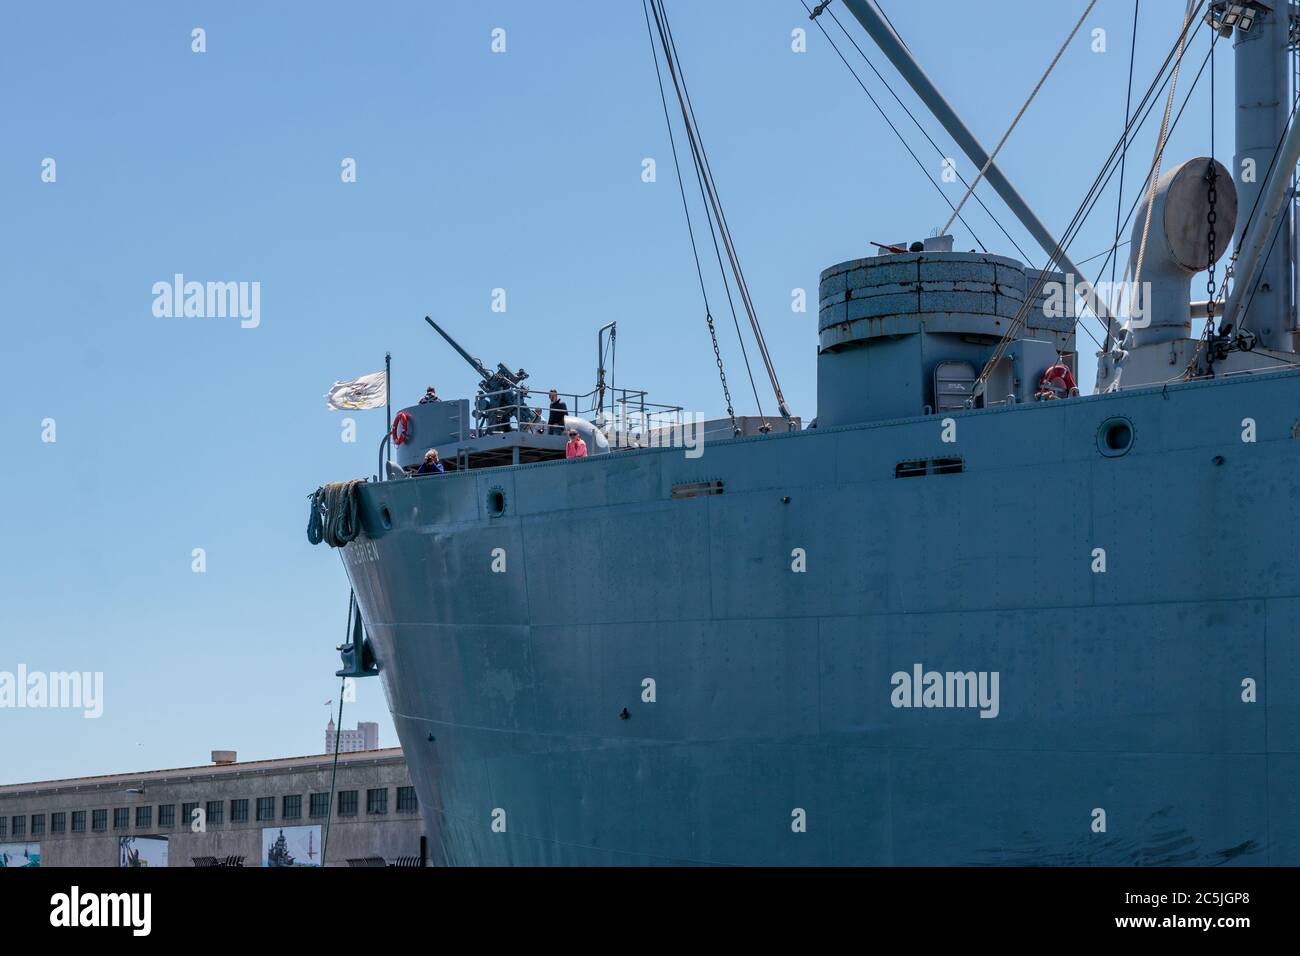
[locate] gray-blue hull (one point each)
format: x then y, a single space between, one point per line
1126 730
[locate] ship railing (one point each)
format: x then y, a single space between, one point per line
624 415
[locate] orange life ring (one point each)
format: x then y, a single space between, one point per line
402 428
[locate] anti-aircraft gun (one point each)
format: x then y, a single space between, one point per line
500 393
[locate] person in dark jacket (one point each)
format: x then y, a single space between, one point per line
555 424
431 464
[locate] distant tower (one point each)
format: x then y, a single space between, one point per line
369 733
364 737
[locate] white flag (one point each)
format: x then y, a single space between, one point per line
368 391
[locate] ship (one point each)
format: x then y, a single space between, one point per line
966 615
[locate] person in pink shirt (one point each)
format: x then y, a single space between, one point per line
577 448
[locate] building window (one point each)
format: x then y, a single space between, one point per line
167 815
216 812
20 826
319 806
143 817
377 801
99 820
78 821
121 818
406 801
292 807
38 824
58 822
266 808
4 825
238 811
187 813
347 803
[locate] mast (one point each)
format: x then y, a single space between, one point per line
1258 301
1263 276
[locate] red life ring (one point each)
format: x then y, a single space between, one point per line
402 428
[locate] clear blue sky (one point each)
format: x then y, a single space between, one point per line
475 170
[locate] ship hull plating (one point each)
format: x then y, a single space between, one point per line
1144 714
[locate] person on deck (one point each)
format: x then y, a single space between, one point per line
430 395
1058 382
577 448
431 465
555 424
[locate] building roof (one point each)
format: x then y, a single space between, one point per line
383 755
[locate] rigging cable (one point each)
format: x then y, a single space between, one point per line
1123 157
1076 223
708 313
917 123
338 731
1005 136
692 135
1277 231
1161 140
1107 253
1103 176
1126 140
910 115
1142 192
1109 169
724 229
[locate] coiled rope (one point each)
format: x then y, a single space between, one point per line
333 516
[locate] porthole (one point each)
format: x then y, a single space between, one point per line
1115 437
496 502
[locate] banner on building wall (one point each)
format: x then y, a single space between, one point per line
291 846
142 851
20 854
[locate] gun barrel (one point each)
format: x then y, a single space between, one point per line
477 365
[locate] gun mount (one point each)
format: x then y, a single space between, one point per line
501 394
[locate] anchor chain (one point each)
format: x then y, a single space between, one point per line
722 374
1210 218
1211 286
